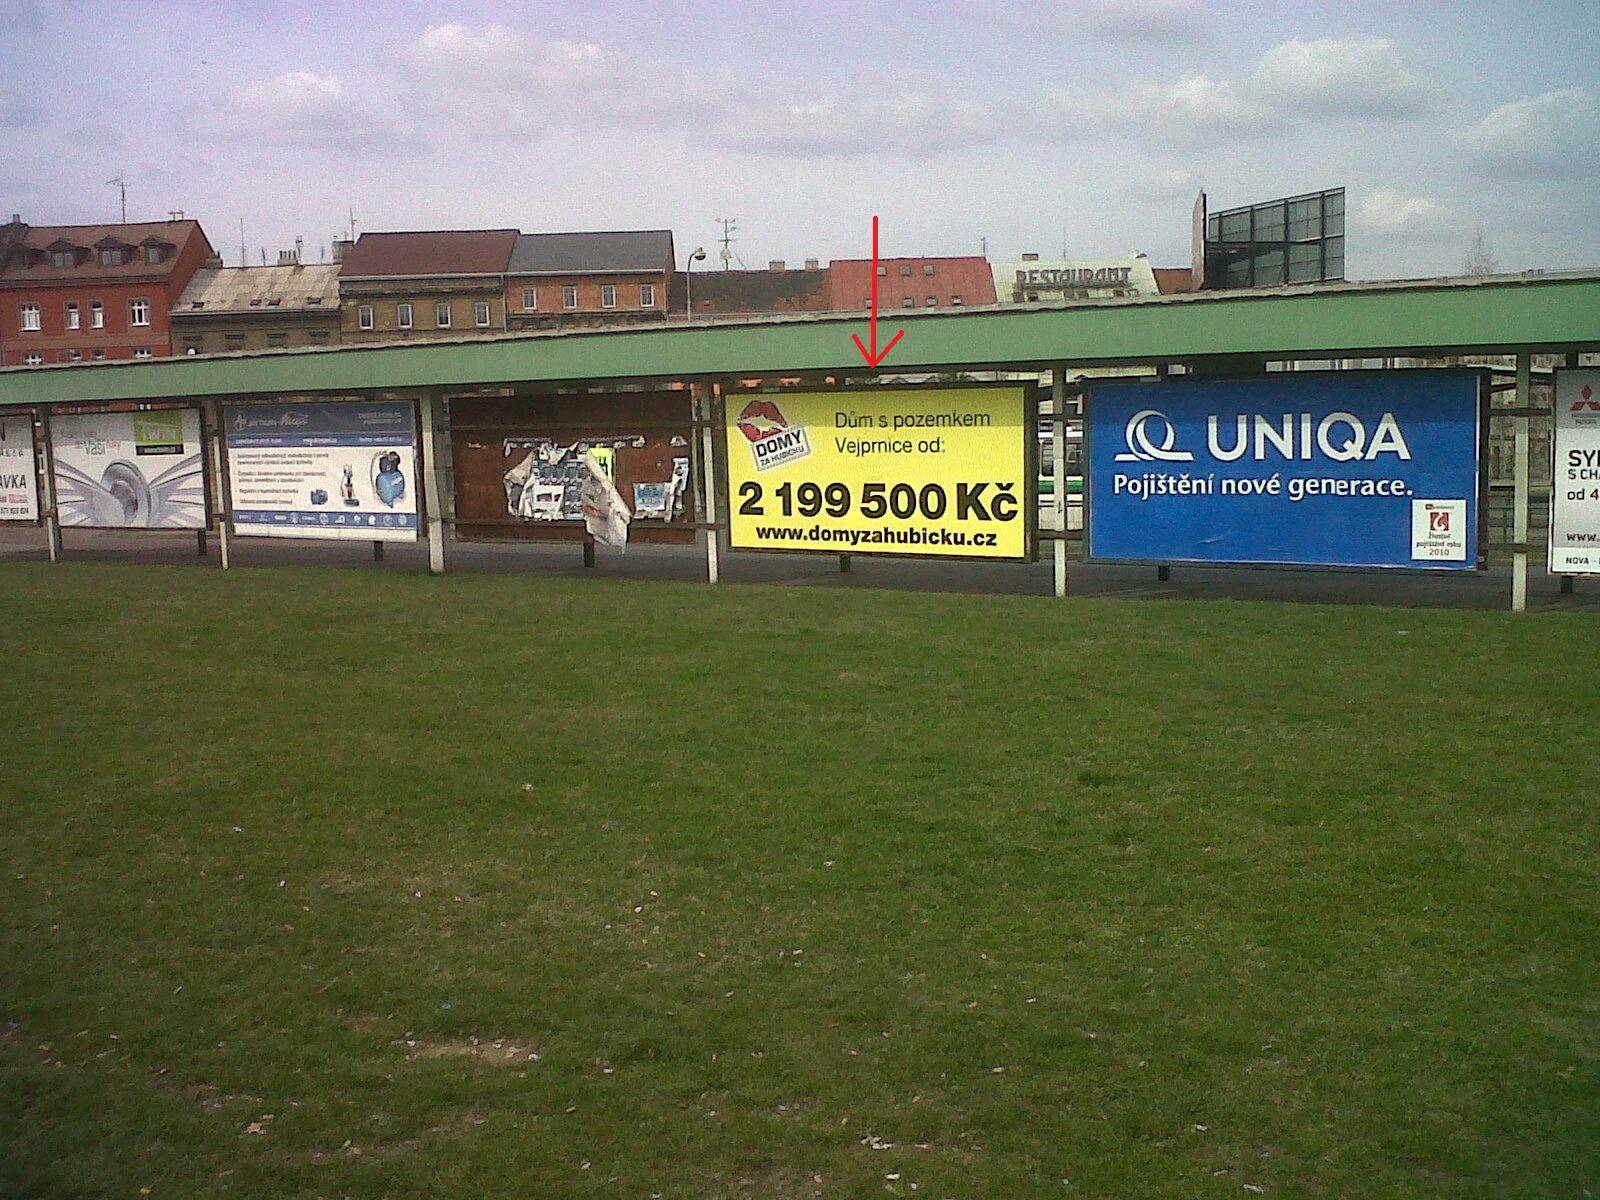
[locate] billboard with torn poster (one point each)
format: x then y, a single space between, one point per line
608 468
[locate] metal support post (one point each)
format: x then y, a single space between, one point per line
432 483
1519 514
844 564
377 551
52 519
708 474
1163 573
1574 360
588 554
1058 471
200 542
219 485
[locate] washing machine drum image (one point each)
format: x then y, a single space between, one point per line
387 480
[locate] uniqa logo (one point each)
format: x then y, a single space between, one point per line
1142 448
1340 436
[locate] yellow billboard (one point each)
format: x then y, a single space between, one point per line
934 471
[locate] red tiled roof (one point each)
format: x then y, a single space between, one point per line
431 252
966 279
89 237
1171 280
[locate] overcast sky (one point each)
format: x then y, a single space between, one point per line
1036 124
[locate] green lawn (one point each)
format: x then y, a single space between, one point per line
351 883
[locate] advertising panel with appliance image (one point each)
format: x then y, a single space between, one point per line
1360 469
1575 483
19 470
337 471
130 470
925 471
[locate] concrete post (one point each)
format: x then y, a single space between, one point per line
1519 515
708 473
1058 471
52 519
219 487
432 478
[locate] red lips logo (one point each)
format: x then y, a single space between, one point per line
761 419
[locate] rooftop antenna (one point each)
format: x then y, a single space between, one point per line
983 246
730 226
1063 241
121 184
299 247
244 253
352 224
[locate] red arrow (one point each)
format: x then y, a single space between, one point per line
873 356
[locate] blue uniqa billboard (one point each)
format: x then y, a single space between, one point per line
1335 469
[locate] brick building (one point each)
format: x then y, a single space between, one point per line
424 284
907 283
257 308
778 289
612 278
85 293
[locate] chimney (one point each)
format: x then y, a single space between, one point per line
1034 257
16 218
775 264
812 264
341 249
215 262
287 258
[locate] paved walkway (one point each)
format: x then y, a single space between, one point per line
1489 589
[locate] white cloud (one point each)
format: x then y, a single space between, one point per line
910 123
299 109
1389 214
528 86
1332 77
1162 187
1195 111
1556 134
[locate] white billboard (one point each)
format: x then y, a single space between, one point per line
19 473
129 470
1575 482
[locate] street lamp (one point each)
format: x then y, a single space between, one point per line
699 255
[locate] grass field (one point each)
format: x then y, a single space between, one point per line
365 884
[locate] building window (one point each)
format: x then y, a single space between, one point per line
318 335
100 355
883 271
111 256
31 320
152 254
905 270
530 297
74 355
235 341
480 312
72 316
277 341
65 259
956 300
141 352
33 359
569 297
138 312
97 315
933 302
647 295
364 316
927 268
194 345
403 315
608 295
441 314
909 302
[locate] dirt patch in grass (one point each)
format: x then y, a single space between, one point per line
501 1052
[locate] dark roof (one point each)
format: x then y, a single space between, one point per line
89 237
756 291
430 252
579 253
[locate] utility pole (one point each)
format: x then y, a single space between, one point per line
121 184
730 226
